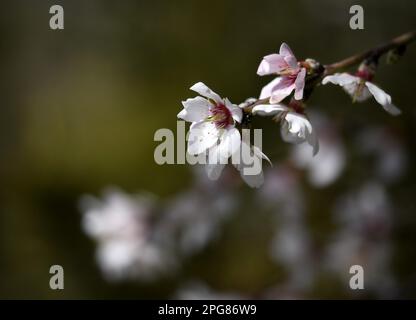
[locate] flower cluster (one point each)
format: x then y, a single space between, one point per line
140 237
216 122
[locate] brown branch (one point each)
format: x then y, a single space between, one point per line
374 53
402 40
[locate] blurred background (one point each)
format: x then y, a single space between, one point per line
79 186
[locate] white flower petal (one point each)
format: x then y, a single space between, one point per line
215 165
261 155
279 94
253 180
182 114
340 79
357 90
268 109
291 62
195 109
271 63
298 120
268 88
383 98
235 110
230 142
204 91
285 50
295 128
288 55
300 84
202 136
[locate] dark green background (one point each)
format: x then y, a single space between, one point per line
79 108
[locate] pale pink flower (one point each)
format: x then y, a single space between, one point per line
292 76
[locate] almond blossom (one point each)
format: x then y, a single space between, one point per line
213 122
360 88
295 126
217 125
292 76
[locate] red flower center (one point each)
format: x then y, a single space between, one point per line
221 116
365 75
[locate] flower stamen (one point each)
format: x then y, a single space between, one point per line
220 115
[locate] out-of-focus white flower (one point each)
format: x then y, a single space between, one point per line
348 250
281 184
193 219
366 210
292 76
329 163
116 257
363 238
121 226
291 244
295 127
291 247
323 169
390 154
213 122
125 258
117 214
360 88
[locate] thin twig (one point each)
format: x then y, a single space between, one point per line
402 40
374 53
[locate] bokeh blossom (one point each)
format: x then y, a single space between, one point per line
121 226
